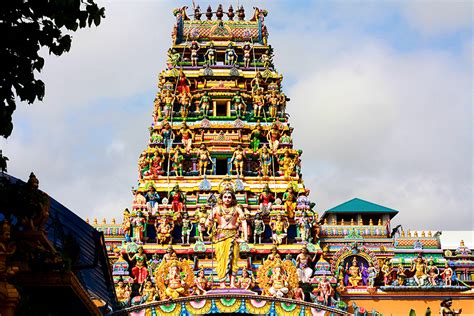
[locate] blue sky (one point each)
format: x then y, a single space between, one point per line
381 95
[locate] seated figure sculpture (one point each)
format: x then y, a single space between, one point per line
355 278
278 282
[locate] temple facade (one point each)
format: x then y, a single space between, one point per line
221 221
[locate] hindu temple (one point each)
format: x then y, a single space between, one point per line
220 221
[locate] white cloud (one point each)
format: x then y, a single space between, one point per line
439 17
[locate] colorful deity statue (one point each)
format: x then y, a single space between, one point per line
139 270
167 99
371 274
258 228
122 291
246 281
339 274
283 101
303 261
177 159
325 290
274 103
175 285
265 158
201 283
205 104
420 269
227 215
354 273
238 103
305 226
184 99
279 283
194 53
183 83
139 201
201 217
152 198
148 292
447 274
247 48
126 225
287 164
289 198
139 227
258 100
169 255
433 272
186 228
157 104
266 198
203 159
238 160
156 167
401 276
279 229
210 55
153 263
266 59
255 135
386 272
302 202
168 136
274 255
173 58
256 82
164 229
186 137
178 200
230 55
273 137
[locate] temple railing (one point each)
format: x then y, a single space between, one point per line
230 303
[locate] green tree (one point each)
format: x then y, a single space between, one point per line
26 27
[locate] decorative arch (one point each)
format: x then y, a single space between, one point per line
355 250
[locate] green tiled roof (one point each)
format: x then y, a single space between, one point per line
360 206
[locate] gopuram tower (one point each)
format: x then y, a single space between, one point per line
221 221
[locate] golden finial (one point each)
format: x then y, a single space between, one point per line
430 234
87 220
95 220
423 234
113 220
371 222
104 221
352 221
379 223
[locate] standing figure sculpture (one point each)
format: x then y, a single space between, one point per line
274 103
164 229
152 198
289 197
303 261
265 158
203 159
266 198
186 137
247 54
305 226
230 55
227 215
205 103
279 230
325 290
239 104
255 135
178 200
168 136
177 159
258 100
194 53
210 55
447 274
258 228
186 228
273 137
167 100
184 99
372 274
139 271
238 160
